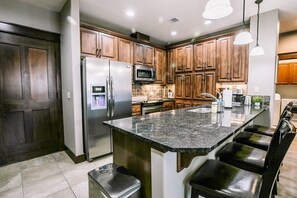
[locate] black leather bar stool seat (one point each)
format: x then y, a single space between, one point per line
253 139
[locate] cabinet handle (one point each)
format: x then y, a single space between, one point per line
97 52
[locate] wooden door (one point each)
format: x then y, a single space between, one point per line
210 83
179 85
198 56
283 74
187 86
89 42
171 66
149 55
210 54
108 47
159 64
179 59
238 69
138 53
125 51
293 73
188 58
223 59
30 98
198 88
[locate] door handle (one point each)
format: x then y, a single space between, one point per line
99 53
108 97
112 96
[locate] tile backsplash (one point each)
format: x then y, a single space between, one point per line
152 91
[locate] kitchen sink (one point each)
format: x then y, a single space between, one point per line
201 110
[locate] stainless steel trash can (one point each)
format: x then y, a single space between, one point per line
112 181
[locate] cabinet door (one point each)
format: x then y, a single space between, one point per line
210 83
125 51
88 42
108 47
293 73
198 88
171 66
238 67
179 104
187 103
149 55
188 58
179 59
179 85
198 56
138 53
210 54
187 86
283 74
223 59
159 64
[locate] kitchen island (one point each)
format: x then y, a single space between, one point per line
163 149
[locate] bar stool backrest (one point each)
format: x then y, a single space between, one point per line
288 107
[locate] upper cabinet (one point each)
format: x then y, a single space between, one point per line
171 54
184 59
98 44
231 61
160 64
143 54
183 86
205 55
287 73
125 50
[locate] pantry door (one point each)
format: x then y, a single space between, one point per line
30 109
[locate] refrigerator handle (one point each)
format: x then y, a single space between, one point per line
108 97
112 96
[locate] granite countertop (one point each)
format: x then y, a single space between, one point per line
184 131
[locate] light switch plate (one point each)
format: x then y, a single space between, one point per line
257 89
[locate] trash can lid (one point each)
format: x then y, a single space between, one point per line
114 181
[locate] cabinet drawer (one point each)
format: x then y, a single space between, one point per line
167 105
136 109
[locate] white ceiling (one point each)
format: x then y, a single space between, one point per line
152 17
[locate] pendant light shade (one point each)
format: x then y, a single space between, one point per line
243 37
257 50
216 9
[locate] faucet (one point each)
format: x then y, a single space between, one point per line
218 100
209 95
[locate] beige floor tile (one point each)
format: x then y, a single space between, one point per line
39 161
13 193
66 193
10 181
63 160
45 186
81 190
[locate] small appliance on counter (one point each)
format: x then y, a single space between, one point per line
227 98
170 94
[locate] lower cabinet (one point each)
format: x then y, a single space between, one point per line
189 103
168 105
136 109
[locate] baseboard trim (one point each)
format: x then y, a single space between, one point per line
75 159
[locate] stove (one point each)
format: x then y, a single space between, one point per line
151 106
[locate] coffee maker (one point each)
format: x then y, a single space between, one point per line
237 97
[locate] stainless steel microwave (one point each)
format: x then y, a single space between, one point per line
144 73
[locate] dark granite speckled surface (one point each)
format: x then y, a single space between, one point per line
184 131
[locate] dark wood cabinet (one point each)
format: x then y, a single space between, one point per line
171 54
96 44
204 82
125 51
168 105
232 61
287 73
184 59
183 86
160 64
143 54
136 109
205 55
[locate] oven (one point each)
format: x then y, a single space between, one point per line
148 107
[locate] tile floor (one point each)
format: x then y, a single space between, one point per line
56 176
52 176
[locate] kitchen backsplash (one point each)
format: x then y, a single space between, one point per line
152 91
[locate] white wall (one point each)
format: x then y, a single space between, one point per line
262 68
70 71
18 12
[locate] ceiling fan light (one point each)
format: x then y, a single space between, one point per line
216 9
257 51
243 38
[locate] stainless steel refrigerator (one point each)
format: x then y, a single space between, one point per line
107 94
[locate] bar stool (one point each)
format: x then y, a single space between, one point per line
218 179
257 140
267 130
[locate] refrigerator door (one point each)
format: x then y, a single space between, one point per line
121 90
97 139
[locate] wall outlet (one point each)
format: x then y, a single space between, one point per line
257 89
68 95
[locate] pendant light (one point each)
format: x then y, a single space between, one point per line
244 37
216 9
257 50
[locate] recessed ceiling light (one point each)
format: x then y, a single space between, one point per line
130 13
207 22
173 33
